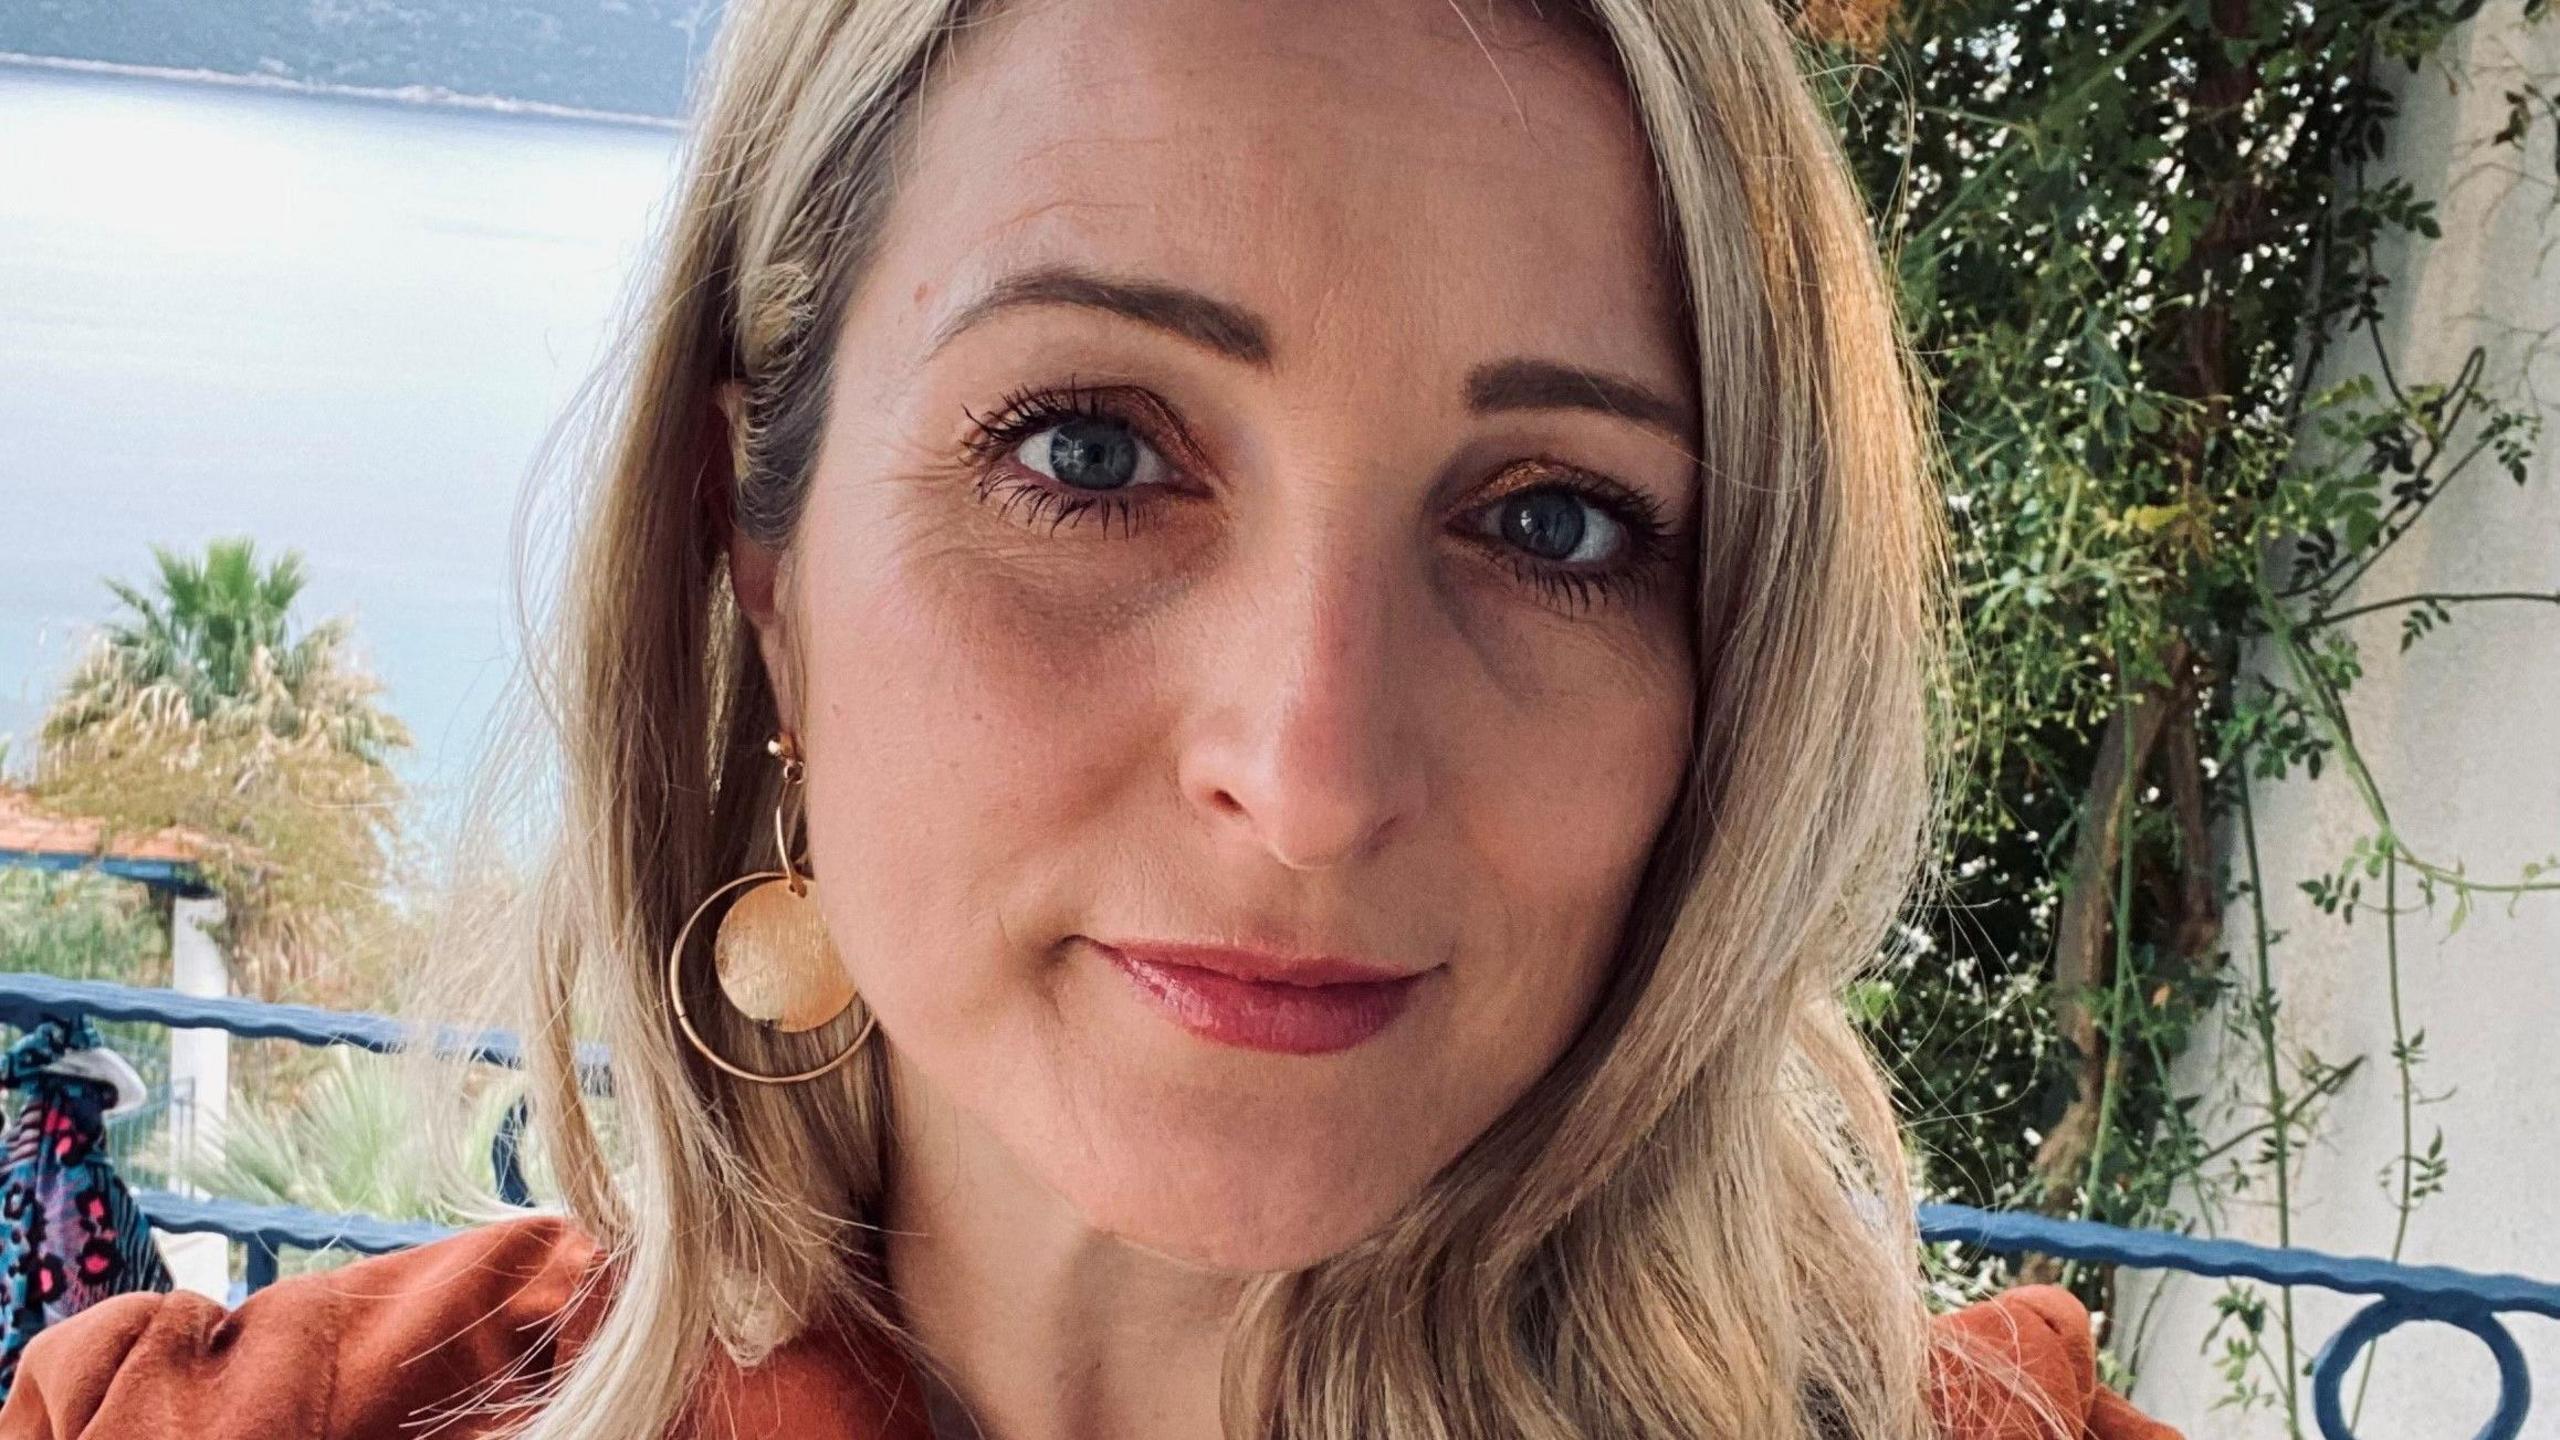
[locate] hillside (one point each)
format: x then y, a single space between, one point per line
625 56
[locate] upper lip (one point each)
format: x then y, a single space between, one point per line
1250 964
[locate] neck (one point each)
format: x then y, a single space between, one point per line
1043 1327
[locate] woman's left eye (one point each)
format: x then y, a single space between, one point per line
1556 524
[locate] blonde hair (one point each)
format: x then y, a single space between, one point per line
1698 1223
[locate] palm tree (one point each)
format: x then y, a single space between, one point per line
200 706
214 640
219 612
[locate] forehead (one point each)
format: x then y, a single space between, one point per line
1412 182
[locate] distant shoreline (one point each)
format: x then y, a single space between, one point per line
422 96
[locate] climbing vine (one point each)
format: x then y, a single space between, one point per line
2132 238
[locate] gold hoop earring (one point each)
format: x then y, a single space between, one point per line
771 953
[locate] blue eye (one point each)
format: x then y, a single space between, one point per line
1558 525
1090 452
1058 457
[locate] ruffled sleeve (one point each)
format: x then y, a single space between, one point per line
2029 1350
349 1352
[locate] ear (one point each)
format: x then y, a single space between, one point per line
756 572
731 396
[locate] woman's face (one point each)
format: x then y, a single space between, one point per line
1255 511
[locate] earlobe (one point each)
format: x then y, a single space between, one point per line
755 579
752 574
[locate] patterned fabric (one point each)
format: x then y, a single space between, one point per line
74 1235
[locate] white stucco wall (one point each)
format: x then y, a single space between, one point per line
200 1076
2463 736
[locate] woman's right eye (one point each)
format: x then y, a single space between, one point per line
1091 453
1056 458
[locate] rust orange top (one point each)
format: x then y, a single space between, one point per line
391 1345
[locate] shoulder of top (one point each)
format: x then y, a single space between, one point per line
460 1327
470 1319
2016 1365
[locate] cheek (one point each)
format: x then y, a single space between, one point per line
1566 740
1559 802
1576 824
954 738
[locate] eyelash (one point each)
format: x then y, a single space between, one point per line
1026 412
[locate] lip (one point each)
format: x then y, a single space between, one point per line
1294 1005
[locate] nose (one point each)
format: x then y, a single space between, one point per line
1303 735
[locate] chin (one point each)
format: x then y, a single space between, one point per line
1235 1201
1241 1240
1218 1157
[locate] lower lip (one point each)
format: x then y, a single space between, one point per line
1265 1014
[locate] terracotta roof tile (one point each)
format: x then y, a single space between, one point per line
27 827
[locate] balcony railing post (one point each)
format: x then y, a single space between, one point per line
262 1265
506 1156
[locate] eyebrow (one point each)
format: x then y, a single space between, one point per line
1204 320
1231 330
1548 385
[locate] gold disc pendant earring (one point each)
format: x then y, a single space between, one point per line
775 962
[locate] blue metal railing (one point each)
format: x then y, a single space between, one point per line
266 1231
25 998
2465 1299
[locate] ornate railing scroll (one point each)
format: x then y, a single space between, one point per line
2464 1299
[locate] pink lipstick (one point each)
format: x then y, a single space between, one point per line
1295 1006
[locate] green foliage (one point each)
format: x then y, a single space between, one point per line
2129 235
200 708
359 1136
80 925
215 644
